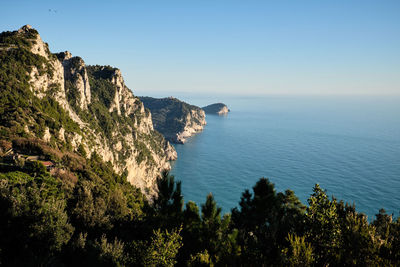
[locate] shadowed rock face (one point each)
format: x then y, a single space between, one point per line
218 108
110 121
175 119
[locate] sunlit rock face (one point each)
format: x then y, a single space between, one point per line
175 119
113 122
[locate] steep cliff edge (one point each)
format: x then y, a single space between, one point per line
175 119
78 108
217 108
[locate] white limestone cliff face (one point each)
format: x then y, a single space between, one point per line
170 151
47 135
223 110
41 83
38 46
122 149
75 72
124 99
52 81
118 81
194 123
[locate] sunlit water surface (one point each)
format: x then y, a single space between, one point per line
349 145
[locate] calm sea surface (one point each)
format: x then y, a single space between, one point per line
349 145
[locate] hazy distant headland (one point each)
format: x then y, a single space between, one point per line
217 108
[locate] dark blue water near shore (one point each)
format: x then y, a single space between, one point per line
349 145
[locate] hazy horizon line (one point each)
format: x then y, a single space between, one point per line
161 94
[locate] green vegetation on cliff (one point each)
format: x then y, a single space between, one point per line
42 97
23 38
60 208
170 116
20 109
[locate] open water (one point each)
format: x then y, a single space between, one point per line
349 145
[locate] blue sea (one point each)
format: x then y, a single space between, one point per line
350 145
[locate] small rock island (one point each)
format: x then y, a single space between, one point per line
217 108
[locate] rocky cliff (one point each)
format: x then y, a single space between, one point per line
217 108
175 119
79 108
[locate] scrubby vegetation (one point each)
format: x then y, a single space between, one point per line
14 39
20 109
88 215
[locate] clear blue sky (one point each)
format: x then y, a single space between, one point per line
238 47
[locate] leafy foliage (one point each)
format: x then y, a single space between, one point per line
323 229
162 248
103 220
299 253
34 222
264 221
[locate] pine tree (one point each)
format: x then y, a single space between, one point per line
323 231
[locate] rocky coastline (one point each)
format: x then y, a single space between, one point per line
174 119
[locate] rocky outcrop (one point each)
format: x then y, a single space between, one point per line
218 108
77 82
98 113
37 45
175 119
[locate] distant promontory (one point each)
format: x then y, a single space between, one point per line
174 119
217 108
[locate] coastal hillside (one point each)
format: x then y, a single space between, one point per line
60 102
74 141
175 119
217 108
